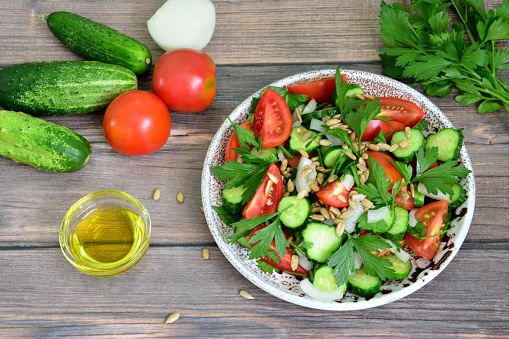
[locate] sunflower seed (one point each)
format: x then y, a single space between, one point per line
404 195
290 186
412 190
367 204
350 155
368 97
303 152
315 158
300 130
157 194
306 136
359 96
205 253
303 192
306 170
358 197
325 213
352 137
365 156
325 142
408 132
332 178
373 147
201 208
335 211
383 147
341 198
352 204
320 178
320 169
318 217
393 148
316 209
340 228
268 187
246 295
172 318
361 167
355 147
403 144
316 163
180 197
284 165
362 161
315 188
295 262
273 178
347 214
332 122
298 113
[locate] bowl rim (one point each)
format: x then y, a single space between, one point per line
290 296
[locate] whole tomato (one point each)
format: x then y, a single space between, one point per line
137 123
185 79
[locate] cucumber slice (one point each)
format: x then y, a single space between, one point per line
296 141
363 284
418 199
328 112
332 154
380 226
398 229
296 215
415 142
458 197
448 141
324 280
324 240
232 198
267 154
244 241
402 268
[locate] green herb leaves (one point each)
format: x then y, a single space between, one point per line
420 45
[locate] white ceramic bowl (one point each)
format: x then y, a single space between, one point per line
285 286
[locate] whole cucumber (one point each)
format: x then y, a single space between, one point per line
42 144
63 87
97 42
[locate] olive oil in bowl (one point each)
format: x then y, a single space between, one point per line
105 233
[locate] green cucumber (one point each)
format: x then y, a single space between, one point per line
448 141
324 240
363 284
63 87
232 199
97 42
324 280
296 215
415 142
42 144
401 268
244 241
266 154
296 142
400 225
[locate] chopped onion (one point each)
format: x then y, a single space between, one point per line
317 125
439 196
313 292
310 107
404 256
352 220
358 261
296 124
348 181
304 261
335 140
377 215
183 24
412 221
302 182
280 154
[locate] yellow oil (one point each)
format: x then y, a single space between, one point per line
106 235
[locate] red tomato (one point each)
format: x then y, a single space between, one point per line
265 204
272 119
137 123
285 263
402 111
185 79
386 161
375 125
433 216
293 162
329 194
321 90
233 142
407 204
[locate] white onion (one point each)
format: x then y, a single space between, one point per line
402 255
312 291
183 24
302 182
317 125
348 182
304 261
335 140
296 124
412 221
377 215
352 220
358 261
439 196
310 107
280 154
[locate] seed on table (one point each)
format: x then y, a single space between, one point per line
290 186
157 194
403 144
172 318
393 148
333 178
408 132
306 136
318 217
201 208
246 295
180 197
303 152
347 214
273 178
294 263
340 228
205 253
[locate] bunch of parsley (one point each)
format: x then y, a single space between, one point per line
421 46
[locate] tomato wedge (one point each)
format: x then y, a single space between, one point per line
321 90
265 204
407 204
375 125
330 192
233 142
272 119
433 216
285 263
293 162
401 110
386 161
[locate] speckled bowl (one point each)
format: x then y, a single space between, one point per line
285 286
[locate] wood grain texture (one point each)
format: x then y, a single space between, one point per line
255 43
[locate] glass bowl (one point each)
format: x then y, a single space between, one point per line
105 233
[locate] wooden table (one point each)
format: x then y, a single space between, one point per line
255 43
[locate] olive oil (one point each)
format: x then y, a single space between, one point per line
107 235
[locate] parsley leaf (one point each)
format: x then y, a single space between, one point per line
264 238
343 261
359 120
245 136
267 268
226 217
246 225
373 265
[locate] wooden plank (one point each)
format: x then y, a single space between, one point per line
460 302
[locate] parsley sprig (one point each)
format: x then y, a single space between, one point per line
423 45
